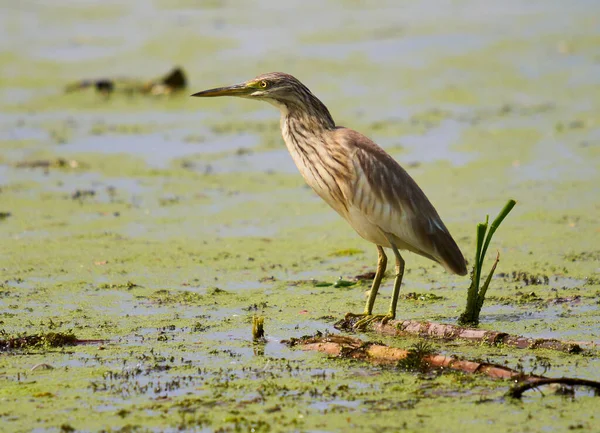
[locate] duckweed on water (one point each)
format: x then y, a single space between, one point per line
470 110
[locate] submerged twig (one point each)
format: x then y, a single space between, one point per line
517 391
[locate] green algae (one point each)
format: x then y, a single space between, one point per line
169 264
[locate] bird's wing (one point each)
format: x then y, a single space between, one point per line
389 198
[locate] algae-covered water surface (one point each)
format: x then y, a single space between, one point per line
158 227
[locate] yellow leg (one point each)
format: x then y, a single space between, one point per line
397 282
368 316
381 265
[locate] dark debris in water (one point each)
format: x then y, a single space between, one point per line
50 163
526 277
200 327
166 297
37 341
216 291
565 300
425 297
80 194
529 298
256 306
128 285
172 82
586 256
366 276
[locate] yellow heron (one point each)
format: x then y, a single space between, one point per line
357 178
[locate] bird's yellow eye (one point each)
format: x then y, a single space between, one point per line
264 84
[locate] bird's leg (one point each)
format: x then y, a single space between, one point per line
397 282
381 266
369 318
368 314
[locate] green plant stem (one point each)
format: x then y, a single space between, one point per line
476 293
481 229
472 295
484 287
494 226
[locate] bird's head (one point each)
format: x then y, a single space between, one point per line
283 91
275 87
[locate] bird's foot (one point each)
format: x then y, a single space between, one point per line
367 319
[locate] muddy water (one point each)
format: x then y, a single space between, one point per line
174 221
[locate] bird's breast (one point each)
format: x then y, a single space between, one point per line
325 172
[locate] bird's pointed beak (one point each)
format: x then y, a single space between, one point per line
235 90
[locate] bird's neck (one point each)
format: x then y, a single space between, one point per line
306 112
310 141
305 121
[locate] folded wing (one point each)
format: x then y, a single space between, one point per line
388 197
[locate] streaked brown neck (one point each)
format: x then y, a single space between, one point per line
304 112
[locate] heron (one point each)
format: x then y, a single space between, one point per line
358 179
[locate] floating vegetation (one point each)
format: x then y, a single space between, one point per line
343 283
249 225
168 297
425 297
346 252
39 341
417 357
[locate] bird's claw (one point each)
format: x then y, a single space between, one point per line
367 319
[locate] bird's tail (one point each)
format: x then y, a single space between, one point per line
448 253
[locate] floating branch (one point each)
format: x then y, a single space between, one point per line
518 390
397 328
49 340
476 293
377 353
